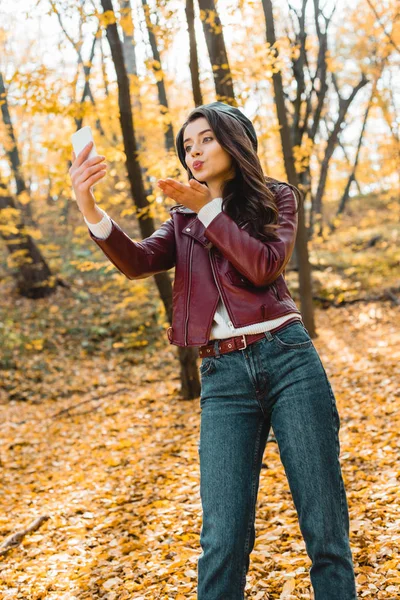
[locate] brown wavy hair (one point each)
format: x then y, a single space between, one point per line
248 197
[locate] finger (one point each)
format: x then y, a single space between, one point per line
95 160
89 166
170 185
89 171
175 184
173 192
179 188
94 178
196 184
82 156
73 155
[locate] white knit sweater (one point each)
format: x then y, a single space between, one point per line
222 326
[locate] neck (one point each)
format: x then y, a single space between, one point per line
215 189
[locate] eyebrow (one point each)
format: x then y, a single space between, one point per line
204 130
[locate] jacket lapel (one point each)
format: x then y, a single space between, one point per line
195 228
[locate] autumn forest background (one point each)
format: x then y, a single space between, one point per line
99 495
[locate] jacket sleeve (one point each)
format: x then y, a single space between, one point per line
137 260
261 262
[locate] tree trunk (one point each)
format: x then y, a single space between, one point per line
32 274
343 149
305 283
129 51
344 104
352 176
193 58
13 157
87 92
187 356
213 33
309 122
158 71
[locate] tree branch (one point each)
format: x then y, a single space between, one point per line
15 539
378 18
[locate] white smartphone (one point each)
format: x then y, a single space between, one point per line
81 138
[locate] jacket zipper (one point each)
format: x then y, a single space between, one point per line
277 294
275 288
190 285
216 281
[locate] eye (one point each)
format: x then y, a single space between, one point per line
206 138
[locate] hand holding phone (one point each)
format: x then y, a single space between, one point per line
87 168
81 138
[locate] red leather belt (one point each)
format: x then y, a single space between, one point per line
237 342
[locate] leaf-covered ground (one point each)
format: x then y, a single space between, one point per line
117 473
94 434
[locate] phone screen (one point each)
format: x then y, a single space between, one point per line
81 138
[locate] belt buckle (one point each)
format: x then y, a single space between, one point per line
244 341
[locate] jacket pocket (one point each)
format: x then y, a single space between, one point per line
274 286
238 279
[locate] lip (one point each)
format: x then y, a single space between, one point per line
198 164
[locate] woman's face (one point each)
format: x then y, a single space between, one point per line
208 161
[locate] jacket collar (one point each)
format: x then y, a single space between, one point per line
193 228
182 209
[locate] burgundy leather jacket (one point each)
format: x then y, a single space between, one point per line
222 258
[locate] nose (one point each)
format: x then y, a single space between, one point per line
194 152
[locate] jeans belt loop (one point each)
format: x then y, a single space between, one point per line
216 349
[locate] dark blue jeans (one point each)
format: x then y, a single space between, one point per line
280 381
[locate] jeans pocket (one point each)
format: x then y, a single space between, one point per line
293 337
207 366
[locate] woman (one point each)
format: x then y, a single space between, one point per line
230 238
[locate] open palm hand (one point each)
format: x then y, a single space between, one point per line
193 195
